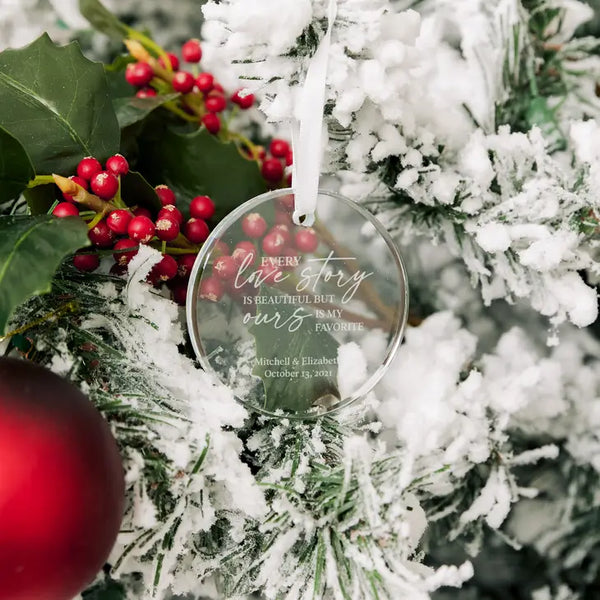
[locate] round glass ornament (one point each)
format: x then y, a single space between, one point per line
298 321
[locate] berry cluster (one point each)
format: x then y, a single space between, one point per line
268 252
203 100
94 194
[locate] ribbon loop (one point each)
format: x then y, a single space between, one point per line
307 130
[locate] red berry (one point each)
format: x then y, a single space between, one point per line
202 207
262 153
65 209
272 170
139 74
287 203
289 158
186 264
146 93
290 253
142 211
179 293
279 148
118 221
183 82
101 235
165 194
191 51
167 228
86 262
221 249
79 181
273 243
105 185
212 123
125 250
196 230
242 251
283 230
141 229
211 289
171 212
172 59
218 88
215 103
164 270
243 101
254 225
117 165
225 267
269 274
283 218
306 240
88 167
205 82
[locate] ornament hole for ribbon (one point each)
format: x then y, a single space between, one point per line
303 219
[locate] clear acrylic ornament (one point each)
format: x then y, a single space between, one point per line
298 321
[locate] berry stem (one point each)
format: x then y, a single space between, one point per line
99 216
118 199
172 106
173 250
81 196
40 180
243 141
149 44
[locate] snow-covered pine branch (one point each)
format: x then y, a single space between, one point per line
424 101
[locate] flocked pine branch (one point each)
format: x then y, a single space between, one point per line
455 139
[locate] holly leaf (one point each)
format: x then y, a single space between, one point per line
31 249
57 104
197 163
41 198
103 20
15 167
131 110
297 394
136 191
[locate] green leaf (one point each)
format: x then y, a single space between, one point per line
57 104
539 113
294 394
131 110
115 75
41 198
197 163
103 20
15 167
31 249
136 191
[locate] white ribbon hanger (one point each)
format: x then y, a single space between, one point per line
307 130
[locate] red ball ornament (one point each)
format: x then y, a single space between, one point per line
62 487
